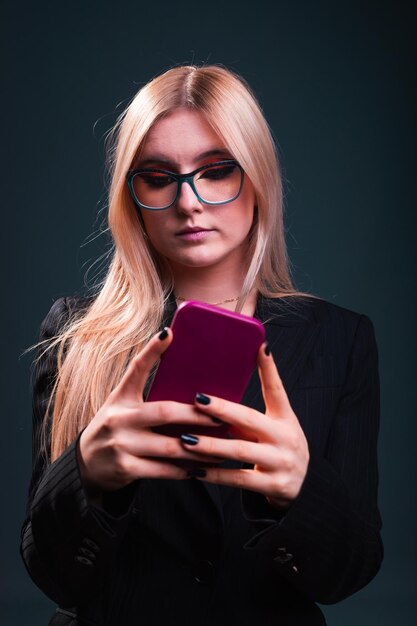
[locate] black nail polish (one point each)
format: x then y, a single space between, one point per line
163 334
196 473
190 439
267 350
202 399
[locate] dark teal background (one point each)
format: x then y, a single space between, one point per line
336 82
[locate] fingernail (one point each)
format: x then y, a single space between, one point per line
196 473
190 439
267 350
163 334
202 399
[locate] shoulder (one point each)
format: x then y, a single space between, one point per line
305 309
330 320
64 310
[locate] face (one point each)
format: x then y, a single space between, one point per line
191 234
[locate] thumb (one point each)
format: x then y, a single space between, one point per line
134 379
275 396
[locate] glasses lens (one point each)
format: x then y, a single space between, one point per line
155 190
218 183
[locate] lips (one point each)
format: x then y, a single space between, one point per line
193 229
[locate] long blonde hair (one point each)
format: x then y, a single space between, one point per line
94 349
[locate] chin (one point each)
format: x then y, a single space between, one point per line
195 263
195 254
197 260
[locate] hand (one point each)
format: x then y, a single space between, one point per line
273 442
119 445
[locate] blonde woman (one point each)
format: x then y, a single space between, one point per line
116 532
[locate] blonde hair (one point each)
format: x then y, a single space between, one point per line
93 350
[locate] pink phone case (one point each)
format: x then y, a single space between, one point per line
213 351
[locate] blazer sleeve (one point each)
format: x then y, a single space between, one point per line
67 543
327 544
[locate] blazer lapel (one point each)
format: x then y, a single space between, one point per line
291 330
291 325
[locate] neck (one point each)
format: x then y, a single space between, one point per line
214 286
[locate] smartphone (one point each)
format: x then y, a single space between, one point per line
213 351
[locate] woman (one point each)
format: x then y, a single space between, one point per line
116 532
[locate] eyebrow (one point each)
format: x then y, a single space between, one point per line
164 160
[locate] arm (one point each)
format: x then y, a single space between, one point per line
314 512
328 543
67 543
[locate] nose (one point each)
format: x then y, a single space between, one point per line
188 202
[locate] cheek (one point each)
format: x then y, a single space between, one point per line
248 198
245 212
153 224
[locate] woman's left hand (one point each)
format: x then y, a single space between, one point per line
273 442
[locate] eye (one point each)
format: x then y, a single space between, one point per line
218 172
156 180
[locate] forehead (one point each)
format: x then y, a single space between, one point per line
180 137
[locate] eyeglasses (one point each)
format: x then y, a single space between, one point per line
214 184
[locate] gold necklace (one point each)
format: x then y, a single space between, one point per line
181 299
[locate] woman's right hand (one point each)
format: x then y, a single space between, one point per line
118 446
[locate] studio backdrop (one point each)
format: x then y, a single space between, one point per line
336 82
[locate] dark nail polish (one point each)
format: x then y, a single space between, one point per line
202 399
267 350
163 334
190 439
216 420
196 473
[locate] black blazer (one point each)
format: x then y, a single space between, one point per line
187 552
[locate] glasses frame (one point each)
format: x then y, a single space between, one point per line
180 179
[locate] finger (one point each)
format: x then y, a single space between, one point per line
139 369
151 444
162 413
119 472
240 478
156 468
263 455
275 396
250 423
